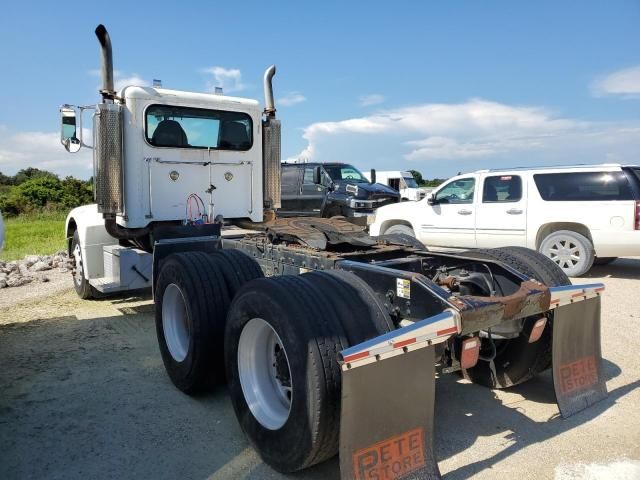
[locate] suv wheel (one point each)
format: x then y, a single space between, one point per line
572 251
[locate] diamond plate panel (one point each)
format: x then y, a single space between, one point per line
108 158
271 167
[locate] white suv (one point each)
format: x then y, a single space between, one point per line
575 215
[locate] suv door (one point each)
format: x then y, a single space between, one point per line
450 221
290 190
312 195
501 215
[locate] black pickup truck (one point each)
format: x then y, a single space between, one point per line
330 189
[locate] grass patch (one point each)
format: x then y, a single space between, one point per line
33 234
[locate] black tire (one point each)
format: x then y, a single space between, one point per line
604 260
516 359
82 286
400 228
403 239
238 268
360 312
311 338
204 291
316 315
332 211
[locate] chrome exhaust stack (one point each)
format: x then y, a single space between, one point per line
269 108
107 90
270 147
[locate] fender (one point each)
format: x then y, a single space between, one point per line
93 237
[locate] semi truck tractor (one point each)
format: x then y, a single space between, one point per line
328 340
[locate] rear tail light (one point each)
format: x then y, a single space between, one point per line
637 222
538 328
470 353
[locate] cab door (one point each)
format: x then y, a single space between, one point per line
312 195
501 215
290 190
450 220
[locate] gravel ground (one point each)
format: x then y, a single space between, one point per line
83 394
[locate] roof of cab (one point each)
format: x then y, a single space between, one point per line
150 93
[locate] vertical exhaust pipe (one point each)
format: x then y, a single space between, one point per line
269 108
107 90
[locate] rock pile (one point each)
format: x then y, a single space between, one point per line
31 268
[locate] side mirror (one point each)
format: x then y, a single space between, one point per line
317 175
68 129
431 200
373 175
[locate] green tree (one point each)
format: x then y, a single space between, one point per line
417 176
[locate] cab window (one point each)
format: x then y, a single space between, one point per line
502 189
458 191
308 175
184 127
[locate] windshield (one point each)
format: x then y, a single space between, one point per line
411 182
345 172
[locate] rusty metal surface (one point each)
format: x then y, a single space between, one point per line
319 233
480 313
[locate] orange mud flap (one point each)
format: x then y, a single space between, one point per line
578 377
388 395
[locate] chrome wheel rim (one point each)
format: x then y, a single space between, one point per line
265 374
177 334
78 270
566 252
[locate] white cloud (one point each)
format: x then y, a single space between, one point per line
476 129
122 79
291 98
625 83
373 99
230 79
42 150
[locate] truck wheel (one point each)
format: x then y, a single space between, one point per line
362 315
238 268
400 228
571 251
192 300
516 359
281 345
332 211
83 288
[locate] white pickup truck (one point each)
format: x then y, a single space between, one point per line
575 215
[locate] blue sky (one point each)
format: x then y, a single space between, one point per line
440 87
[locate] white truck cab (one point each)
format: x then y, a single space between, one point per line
403 182
165 158
575 215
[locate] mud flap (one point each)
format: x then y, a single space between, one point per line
386 428
578 377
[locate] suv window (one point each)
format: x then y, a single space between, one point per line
502 188
183 127
458 191
583 186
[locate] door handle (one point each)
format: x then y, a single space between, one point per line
514 211
465 212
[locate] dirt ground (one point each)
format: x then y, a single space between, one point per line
83 394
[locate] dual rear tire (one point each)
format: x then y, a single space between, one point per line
276 344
